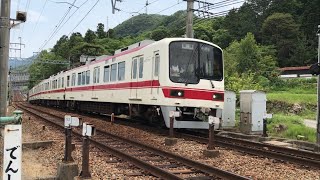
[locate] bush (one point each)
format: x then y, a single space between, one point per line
299 86
242 82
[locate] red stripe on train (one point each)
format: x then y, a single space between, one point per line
189 93
192 94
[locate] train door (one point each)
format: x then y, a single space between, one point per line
95 79
155 75
134 78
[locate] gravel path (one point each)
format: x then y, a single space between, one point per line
108 167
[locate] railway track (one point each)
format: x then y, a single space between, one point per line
302 157
154 161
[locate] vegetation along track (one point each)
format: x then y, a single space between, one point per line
302 157
157 162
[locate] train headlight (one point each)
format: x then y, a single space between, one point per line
177 93
217 97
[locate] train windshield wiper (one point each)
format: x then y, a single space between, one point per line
192 58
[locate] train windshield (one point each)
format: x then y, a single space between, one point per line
192 61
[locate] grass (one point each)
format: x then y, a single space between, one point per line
293 98
308 114
294 126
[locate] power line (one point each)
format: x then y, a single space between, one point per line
44 5
168 7
72 14
26 10
55 30
147 4
84 17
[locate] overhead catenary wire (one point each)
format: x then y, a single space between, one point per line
55 30
72 14
26 10
84 17
44 5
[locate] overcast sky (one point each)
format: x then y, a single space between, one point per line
39 27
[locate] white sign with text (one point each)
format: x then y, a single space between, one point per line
12 152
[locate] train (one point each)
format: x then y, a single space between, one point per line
149 79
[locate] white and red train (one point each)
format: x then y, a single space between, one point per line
147 79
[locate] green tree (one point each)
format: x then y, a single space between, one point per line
159 33
90 36
282 31
247 59
100 31
240 22
61 48
111 33
40 70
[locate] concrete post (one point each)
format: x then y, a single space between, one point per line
264 134
68 145
4 54
211 137
85 172
189 27
171 132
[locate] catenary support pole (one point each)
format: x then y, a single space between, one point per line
189 27
4 54
318 109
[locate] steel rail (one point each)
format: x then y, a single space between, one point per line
301 153
256 151
144 165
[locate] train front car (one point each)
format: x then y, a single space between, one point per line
195 84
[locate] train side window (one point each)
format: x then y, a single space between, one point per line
59 82
62 82
88 77
134 69
141 67
96 74
121 71
106 76
156 65
68 81
79 79
113 76
83 78
73 80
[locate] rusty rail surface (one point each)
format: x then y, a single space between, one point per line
103 140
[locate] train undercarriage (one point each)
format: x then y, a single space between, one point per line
189 117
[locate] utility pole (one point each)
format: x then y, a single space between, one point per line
108 26
318 108
189 29
113 4
147 4
20 44
4 54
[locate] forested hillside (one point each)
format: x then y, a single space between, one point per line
259 37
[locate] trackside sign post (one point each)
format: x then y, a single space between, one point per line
12 152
